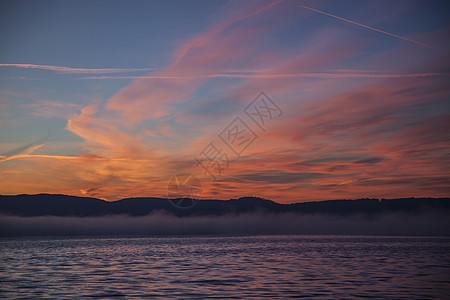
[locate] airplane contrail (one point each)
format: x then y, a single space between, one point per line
274 76
23 151
70 70
365 26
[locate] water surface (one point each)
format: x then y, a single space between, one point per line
219 267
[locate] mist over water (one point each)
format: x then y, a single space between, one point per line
275 267
427 222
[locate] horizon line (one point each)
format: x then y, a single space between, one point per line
212 199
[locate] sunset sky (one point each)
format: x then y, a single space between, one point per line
111 99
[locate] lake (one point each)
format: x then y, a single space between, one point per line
198 267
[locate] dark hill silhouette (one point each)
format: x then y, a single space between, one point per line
63 205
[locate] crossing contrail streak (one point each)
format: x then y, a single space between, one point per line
365 26
274 76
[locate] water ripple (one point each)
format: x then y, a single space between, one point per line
276 267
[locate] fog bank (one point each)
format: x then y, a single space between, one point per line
435 223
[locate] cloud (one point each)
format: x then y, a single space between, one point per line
219 48
371 160
278 176
53 108
357 123
105 133
240 14
69 70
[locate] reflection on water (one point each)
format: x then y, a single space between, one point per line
244 267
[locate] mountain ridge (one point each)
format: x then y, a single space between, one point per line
31 205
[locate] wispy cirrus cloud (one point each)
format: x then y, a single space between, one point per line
52 108
69 70
354 114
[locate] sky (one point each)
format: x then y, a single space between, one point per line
287 100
